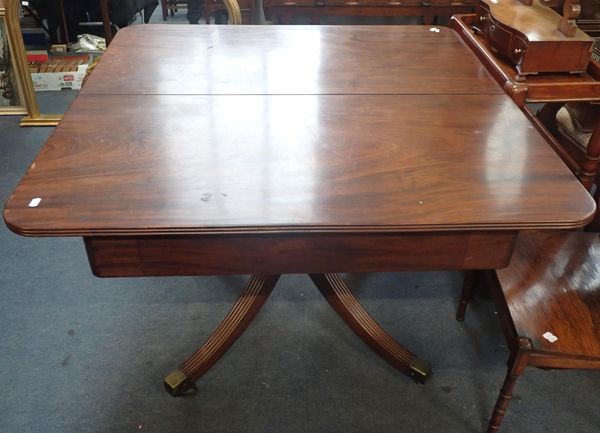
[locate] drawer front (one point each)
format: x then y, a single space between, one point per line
292 3
371 3
297 254
498 38
244 4
452 3
375 3
517 49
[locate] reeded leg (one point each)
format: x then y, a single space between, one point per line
470 279
347 306
516 366
253 297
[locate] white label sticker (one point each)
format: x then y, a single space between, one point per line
34 202
550 337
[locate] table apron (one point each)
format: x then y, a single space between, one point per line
297 253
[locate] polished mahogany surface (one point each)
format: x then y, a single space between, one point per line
553 285
191 164
197 164
288 60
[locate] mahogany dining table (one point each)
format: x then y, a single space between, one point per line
269 150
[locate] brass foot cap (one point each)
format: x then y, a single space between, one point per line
176 383
420 370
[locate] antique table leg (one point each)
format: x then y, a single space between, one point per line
253 297
470 280
347 306
106 21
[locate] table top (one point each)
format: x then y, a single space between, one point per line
231 60
384 152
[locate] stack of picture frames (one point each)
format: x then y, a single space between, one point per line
17 95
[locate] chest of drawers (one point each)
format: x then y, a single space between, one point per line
284 10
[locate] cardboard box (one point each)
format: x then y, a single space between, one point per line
44 81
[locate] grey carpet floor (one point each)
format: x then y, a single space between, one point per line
82 354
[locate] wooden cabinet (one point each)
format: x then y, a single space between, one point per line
283 10
528 37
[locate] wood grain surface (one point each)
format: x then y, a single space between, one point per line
297 253
212 164
164 59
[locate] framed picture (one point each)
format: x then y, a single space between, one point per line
11 89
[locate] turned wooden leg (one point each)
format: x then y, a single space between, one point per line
163 5
516 365
347 306
470 280
427 19
253 297
589 168
105 21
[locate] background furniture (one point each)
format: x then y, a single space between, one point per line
284 10
246 7
589 20
551 289
171 6
74 17
555 46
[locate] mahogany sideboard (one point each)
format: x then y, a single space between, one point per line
284 10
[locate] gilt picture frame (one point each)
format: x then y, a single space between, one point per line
12 12
12 101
